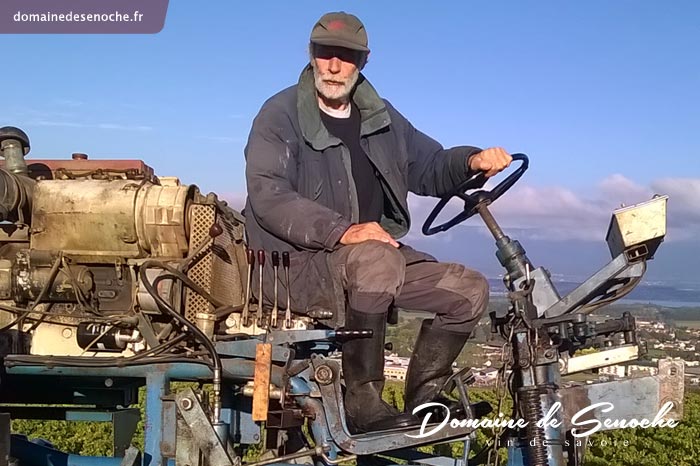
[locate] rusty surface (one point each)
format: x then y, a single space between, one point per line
672 385
573 399
47 168
261 388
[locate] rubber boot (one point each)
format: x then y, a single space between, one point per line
431 365
363 371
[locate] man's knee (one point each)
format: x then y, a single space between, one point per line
469 284
375 267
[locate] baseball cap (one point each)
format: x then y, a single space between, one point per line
340 29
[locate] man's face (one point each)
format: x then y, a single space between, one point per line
336 70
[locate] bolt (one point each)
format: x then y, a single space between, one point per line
109 382
186 404
256 437
324 375
549 354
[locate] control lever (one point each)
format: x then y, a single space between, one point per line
345 335
275 268
250 258
261 261
288 313
214 231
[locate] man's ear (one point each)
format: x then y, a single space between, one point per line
311 51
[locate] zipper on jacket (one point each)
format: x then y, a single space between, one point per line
352 188
386 187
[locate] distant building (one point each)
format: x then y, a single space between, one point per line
396 360
628 370
394 372
616 371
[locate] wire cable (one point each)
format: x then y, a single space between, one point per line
152 288
44 290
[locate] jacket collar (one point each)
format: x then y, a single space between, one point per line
373 113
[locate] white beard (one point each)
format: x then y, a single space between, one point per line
334 92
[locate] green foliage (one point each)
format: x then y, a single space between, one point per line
653 447
623 447
85 438
82 438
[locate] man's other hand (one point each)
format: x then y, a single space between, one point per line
367 231
491 161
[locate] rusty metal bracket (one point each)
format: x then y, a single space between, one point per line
261 387
633 398
201 430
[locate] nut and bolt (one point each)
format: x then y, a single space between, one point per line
323 375
186 404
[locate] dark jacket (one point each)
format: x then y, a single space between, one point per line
301 195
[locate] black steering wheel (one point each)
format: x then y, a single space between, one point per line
471 201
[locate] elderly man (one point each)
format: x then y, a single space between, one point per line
329 165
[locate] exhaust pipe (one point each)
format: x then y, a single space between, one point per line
14 145
16 186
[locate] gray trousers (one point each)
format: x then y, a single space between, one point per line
376 276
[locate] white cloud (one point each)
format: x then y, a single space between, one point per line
74 124
619 189
235 199
65 124
558 213
124 127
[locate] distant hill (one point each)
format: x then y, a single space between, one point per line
663 295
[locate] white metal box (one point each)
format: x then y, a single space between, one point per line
643 223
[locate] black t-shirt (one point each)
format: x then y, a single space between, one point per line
370 196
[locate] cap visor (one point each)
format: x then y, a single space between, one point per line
335 42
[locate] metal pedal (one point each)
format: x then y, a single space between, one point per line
331 412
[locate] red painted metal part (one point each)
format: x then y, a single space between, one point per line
46 168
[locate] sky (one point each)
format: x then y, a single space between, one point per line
604 97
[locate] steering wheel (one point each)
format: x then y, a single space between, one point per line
471 201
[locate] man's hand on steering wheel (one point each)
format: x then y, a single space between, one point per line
484 164
490 161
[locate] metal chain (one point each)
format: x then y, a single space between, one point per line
501 391
519 319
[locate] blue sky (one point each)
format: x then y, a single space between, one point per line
604 96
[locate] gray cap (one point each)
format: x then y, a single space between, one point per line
340 29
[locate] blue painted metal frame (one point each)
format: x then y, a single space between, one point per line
157 377
157 387
35 454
